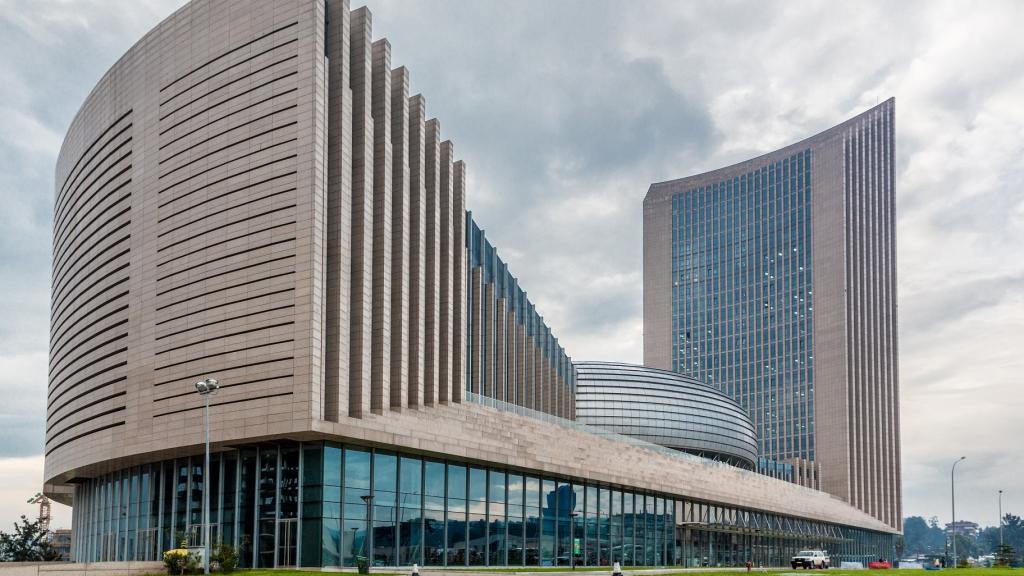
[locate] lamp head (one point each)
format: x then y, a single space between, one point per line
207 386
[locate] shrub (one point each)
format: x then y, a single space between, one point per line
225 557
180 561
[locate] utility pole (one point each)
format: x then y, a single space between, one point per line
1000 517
952 488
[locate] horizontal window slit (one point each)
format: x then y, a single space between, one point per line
223 369
50 406
60 239
228 115
75 241
224 194
226 240
226 162
239 317
83 435
224 353
217 275
72 196
56 356
223 336
57 337
68 193
225 257
232 144
225 386
79 408
99 372
226 54
193 145
228 209
68 265
224 70
208 308
86 419
229 84
89 149
225 403
226 100
63 315
228 177
106 342
59 302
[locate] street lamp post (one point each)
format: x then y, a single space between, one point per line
952 490
368 539
205 388
1000 517
572 539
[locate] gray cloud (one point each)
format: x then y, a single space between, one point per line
566 111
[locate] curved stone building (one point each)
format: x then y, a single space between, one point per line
665 408
774 279
251 194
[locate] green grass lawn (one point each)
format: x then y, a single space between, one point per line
607 570
772 572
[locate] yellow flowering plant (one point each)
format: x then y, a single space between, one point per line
179 561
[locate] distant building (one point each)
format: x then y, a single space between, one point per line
61 540
965 527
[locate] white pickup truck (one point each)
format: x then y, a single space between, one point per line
810 559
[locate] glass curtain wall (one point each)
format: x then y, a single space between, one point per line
323 504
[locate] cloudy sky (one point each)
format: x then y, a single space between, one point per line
565 111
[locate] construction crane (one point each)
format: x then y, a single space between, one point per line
44 511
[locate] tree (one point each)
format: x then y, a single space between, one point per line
28 543
923 537
967 547
915 534
1004 555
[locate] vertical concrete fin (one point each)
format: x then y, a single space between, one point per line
476 331
417 248
400 264
533 385
314 369
432 146
362 213
339 211
446 253
511 360
459 280
500 350
487 337
380 108
521 365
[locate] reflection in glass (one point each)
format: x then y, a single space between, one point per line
433 513
455 524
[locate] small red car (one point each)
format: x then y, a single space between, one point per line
879 565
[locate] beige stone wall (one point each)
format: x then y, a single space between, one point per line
250 194
191 213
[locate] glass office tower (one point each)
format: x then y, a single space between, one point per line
741 305
774 280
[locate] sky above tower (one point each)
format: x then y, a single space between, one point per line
565 112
